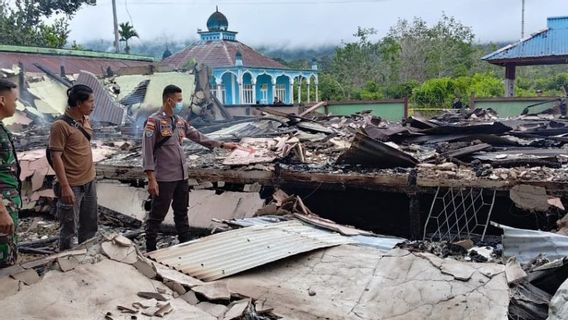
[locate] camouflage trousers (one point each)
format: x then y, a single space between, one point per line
8 243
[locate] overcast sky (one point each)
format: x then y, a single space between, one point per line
304 23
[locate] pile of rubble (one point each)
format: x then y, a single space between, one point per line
286 261
264 258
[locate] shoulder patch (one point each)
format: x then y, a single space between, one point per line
150 125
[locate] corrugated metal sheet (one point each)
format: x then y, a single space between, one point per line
231 252
73 65
106 110
372 153
52 96
548 43
376 241
527 244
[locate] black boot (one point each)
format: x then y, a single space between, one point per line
150 245
184 237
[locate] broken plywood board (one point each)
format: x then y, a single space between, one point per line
352 282
120 253
527 197
9 287
513 271
224 254
204 205
90 289
240 157
122 198
169 274
214 291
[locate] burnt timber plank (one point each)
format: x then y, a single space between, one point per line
232 176
113 172
465 151
383 182
388 182
552 187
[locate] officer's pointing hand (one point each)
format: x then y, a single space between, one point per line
230 145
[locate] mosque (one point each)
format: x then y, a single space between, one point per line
241 75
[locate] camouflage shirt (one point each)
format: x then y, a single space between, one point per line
9 166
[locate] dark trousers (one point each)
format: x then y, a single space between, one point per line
79 220
175 193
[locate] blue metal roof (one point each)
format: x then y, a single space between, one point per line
551 42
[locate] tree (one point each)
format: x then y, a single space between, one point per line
25 22
443 50
56 34
127 32
357 63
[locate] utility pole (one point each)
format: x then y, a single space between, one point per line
116 43
523 21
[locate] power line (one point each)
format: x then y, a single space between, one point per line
250 2
128 12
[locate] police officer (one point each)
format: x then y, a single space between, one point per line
165 167
9 178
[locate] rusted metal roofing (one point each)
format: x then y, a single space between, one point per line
106 110
231 252
72 60
547 46
221 53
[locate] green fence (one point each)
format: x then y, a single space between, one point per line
511 107
391 110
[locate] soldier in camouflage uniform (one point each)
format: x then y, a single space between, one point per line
9 178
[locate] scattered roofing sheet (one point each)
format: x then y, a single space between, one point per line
231 252
352 282
527 244
375 154
461 128
19 117
52 96
204 205
364 238
106 110
158 81
74 61
128 83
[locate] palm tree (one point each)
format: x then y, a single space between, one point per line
126 33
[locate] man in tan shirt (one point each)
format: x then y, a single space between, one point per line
72 160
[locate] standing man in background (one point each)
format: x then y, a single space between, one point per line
165 166
72 160
10 201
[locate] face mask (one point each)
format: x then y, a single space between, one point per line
178 107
